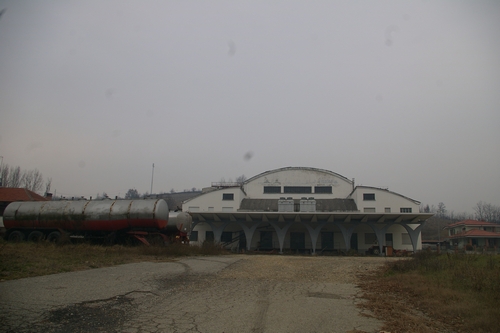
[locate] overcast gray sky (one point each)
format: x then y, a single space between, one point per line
397 94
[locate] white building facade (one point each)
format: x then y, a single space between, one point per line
306 210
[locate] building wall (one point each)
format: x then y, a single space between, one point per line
384 202
213 201
364 237
341 187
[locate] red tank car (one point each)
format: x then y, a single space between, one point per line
108 219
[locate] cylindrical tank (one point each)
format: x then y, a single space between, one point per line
97 215
179 221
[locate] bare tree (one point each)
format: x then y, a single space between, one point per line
241 179
441 210
32 180
37 181
132 194
15 177
27 179
4 175
480 214
487 212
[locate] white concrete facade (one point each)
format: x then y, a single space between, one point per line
378 200
305 210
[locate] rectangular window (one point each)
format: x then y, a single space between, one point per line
297 189
322 189
405 239
370 238
405 210
272 189
194 209
388 239
387 209
369 210
227 196
226 237
368 196
194 236
210 209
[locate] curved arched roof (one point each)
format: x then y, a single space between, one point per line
265 173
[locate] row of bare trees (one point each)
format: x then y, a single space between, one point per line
482 212
14 176
487 212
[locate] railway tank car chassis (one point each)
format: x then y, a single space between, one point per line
99 219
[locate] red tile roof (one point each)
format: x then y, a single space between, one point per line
476 233
472 223
8 194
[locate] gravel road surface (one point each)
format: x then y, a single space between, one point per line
236 293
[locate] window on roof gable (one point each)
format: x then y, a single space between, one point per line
322 189
297 189
227 196
368 196
272 189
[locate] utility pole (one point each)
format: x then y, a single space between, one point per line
152 175
1 171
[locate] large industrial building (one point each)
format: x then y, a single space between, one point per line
305 210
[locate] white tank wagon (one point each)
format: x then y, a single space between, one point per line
180 221
106 219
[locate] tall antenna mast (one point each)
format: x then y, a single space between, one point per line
152 175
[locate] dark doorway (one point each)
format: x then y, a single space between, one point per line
354 242
209 237
266 240
243 241
327 241
297 241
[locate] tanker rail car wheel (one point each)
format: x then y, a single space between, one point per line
16 236
36 236
54 236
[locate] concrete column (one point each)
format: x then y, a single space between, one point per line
248 232
347 233
413 234
281 233
380 233
314 233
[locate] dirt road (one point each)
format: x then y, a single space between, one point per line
240 293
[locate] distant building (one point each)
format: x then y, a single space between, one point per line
305 210
9 194
473 233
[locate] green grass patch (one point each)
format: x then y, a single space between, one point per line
26 259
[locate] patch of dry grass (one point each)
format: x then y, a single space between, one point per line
20 260
432 293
